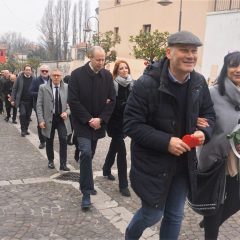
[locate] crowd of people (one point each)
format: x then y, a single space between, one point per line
167 103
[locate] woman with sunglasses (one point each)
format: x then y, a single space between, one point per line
122 83
226 97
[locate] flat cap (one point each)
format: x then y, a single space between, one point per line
184 37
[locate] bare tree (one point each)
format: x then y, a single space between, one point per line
58 29
55 23
47 29
16 43
65 27
74 25
87 8
80 20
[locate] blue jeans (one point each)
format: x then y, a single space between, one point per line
172 213
87 148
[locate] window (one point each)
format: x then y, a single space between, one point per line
117 2
147 28
116 33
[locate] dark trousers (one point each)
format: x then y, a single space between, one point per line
87 148
1 105
25 111
42 139
57 124
117 147
231 205
8 107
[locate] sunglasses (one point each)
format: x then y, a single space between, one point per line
44 71
56 75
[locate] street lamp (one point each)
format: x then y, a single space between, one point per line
166 3
88 29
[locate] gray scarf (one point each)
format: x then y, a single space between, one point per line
226 119
123 82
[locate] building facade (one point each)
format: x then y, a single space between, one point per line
216 22
222 35
128 17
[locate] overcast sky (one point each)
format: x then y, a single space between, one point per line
23 16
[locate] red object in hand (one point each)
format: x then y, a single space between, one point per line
191 141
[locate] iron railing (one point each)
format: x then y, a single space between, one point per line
224 5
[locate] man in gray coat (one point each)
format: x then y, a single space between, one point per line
53 113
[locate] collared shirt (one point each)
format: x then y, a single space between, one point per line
27 76
90 65
172 78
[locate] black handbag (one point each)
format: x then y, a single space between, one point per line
208 189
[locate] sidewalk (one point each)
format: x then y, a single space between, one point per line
36 204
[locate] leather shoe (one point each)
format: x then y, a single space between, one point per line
93 192
125 192
6 119
201 224
86 203
27 133
64 168
23 134
110 177
14 121
76 155
51 165
41 145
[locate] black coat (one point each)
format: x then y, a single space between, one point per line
34 88
115 124
88 95
151 120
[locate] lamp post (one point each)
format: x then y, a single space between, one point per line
88 29
168 2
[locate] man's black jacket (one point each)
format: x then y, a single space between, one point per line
151 119
90 95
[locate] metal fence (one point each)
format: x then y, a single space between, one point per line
224 5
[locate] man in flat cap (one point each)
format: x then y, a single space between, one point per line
163 107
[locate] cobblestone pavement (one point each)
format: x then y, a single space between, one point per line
36 204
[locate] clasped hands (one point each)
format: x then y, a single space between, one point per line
95 123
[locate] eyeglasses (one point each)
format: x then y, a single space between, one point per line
56 75
44 71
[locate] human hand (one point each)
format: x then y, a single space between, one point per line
42 125
95 123
9 97
64 115
202 122
200 136
177 147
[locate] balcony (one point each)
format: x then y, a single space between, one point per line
224 5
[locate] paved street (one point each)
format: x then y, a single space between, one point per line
38 203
